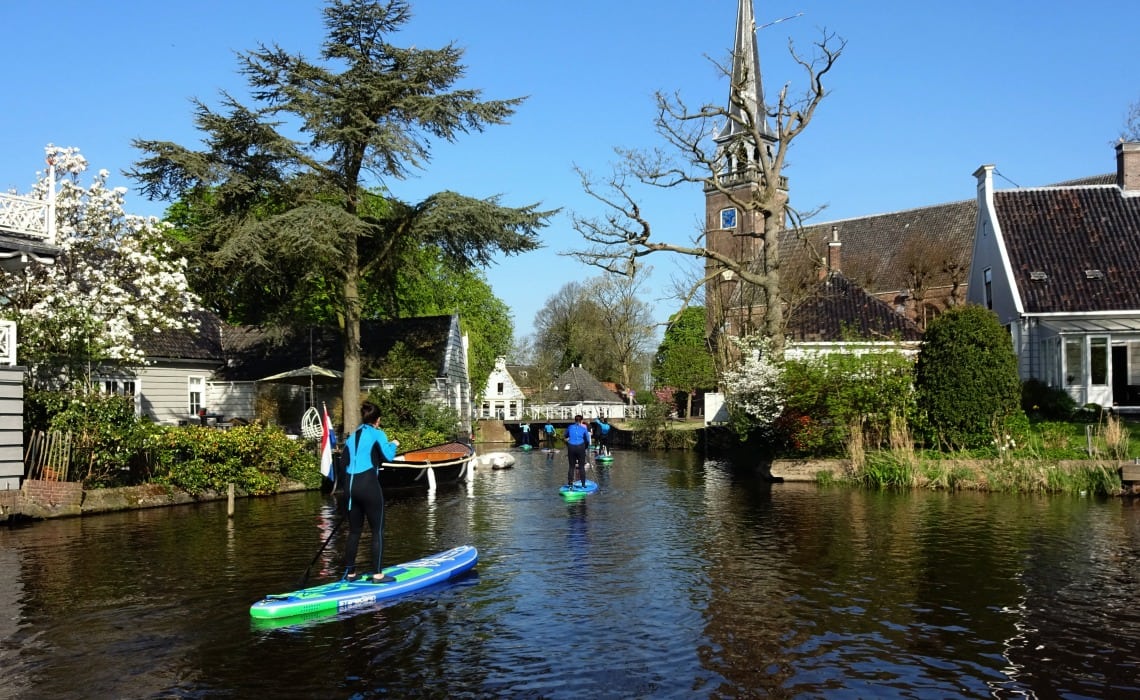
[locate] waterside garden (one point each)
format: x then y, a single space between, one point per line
955 418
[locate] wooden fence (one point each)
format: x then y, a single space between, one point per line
48 456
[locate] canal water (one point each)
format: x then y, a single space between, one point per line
679 578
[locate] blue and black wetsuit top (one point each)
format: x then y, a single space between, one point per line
372 441
366 448
577 434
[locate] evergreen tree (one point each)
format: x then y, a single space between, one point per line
966 382
279 213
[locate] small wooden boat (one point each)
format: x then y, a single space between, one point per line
428 466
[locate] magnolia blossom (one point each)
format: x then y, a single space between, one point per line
753 387
114 279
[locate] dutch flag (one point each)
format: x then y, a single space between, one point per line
328 442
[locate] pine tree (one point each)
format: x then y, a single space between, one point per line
280 199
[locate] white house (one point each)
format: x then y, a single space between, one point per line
27 237
502 397
1060 266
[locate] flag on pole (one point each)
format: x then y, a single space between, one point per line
328 442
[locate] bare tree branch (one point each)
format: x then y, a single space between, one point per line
617 240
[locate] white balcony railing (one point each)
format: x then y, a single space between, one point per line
30 217
7 342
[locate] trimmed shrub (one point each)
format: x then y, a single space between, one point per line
254 458
968 390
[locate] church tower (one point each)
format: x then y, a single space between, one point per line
732 229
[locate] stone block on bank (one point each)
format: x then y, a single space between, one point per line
808 469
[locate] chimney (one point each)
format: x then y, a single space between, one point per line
1128 166
833 251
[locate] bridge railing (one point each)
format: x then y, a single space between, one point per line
562 412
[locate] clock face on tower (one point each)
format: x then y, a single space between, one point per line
728 218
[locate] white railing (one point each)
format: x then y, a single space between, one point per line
7 342
30 217
589 411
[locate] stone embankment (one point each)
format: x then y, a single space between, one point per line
38 500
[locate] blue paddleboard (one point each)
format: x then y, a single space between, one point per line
343 595
578 489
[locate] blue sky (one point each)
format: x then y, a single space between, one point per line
924 93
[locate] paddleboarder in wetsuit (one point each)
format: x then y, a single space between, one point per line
366 449
577 440
603 434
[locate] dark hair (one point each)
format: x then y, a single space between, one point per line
578 418
369 413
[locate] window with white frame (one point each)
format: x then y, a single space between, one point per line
1074 361
119 386
196 389
1098 361
1052 350
1134 362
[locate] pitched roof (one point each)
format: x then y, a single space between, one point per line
525 378
878 249
841 310
255 354
1072 249
576 385
201 341
1102 179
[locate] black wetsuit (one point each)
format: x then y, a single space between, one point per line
365 497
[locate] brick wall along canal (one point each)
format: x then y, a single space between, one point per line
678 578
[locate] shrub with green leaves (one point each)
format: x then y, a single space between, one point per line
406 411
254 458
825 395
1045 402
107 439
968 390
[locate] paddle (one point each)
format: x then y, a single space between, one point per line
305 576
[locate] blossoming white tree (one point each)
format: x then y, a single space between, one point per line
115 280
753 388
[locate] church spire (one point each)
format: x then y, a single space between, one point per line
746 78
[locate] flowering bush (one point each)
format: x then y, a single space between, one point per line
753 388
803 434
115 279
841 390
